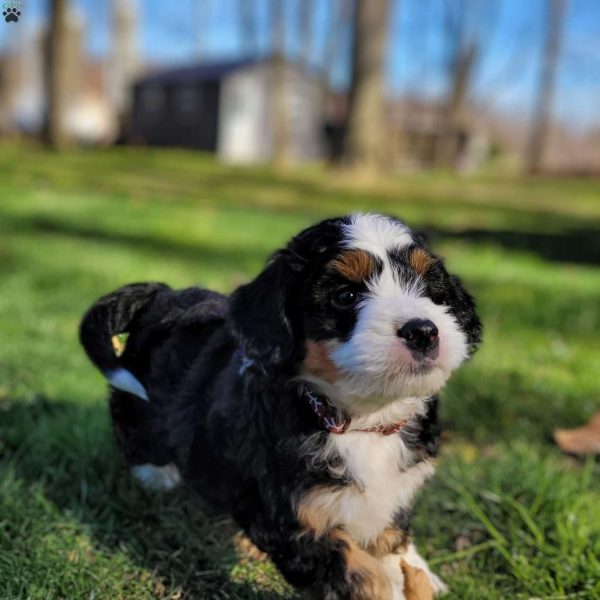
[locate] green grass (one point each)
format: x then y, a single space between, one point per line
507 517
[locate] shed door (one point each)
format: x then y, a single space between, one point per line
194 115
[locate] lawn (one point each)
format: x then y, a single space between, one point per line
508 515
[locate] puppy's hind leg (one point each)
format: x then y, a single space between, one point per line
136 431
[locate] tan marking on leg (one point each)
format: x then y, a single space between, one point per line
355 265
318 508
318 362
316 513
367 577
416 583
421 260
390 541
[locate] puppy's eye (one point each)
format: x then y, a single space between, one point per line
344 298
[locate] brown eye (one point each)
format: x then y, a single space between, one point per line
344 298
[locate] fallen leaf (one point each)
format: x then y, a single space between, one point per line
462 542
581 440
246 549
119 342
159 587
416 583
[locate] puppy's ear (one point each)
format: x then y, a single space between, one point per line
463 307
423 237
261 313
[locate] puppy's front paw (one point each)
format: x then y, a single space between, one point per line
417 584
438 585
395 576
412 559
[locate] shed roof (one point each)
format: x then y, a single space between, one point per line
208 71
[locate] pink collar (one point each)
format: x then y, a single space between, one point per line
334 419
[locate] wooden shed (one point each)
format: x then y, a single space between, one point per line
228 108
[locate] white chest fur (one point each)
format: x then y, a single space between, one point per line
385 482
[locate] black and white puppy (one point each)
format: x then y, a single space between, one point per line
304 404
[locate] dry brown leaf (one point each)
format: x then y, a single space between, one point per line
246 549
118 344
159 588
416 583
581 440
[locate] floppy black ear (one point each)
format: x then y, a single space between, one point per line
423 237
463 306
261 313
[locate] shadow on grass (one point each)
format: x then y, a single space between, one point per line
227 256
572 245
184 178
187 546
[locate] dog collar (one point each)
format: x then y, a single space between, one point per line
334 419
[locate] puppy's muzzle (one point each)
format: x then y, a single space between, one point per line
421 337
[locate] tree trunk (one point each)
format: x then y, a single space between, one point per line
279 86
305 33
57 76
247 21
454 120
543 105
123 60
8 91
364 144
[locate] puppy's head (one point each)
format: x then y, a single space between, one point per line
360 303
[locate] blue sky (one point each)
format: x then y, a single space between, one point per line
186 30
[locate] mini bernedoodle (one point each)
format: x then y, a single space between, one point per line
304 404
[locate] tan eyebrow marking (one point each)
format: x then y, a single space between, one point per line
420 260
355 265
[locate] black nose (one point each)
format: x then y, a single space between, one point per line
420 335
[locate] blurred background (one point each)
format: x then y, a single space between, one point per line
184 142
403 84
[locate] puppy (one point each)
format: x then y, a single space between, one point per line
304 404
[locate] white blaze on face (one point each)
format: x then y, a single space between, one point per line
374 360
376 234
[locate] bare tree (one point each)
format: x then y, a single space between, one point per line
279 96
124 60
364 142
467 26
9 79
337 29
57 75
556 10
334 21
305 33
248 26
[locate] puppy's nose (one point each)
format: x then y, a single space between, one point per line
420 335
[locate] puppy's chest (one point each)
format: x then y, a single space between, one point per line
385 476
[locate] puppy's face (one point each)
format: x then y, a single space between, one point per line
370 310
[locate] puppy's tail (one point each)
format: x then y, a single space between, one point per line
109 316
